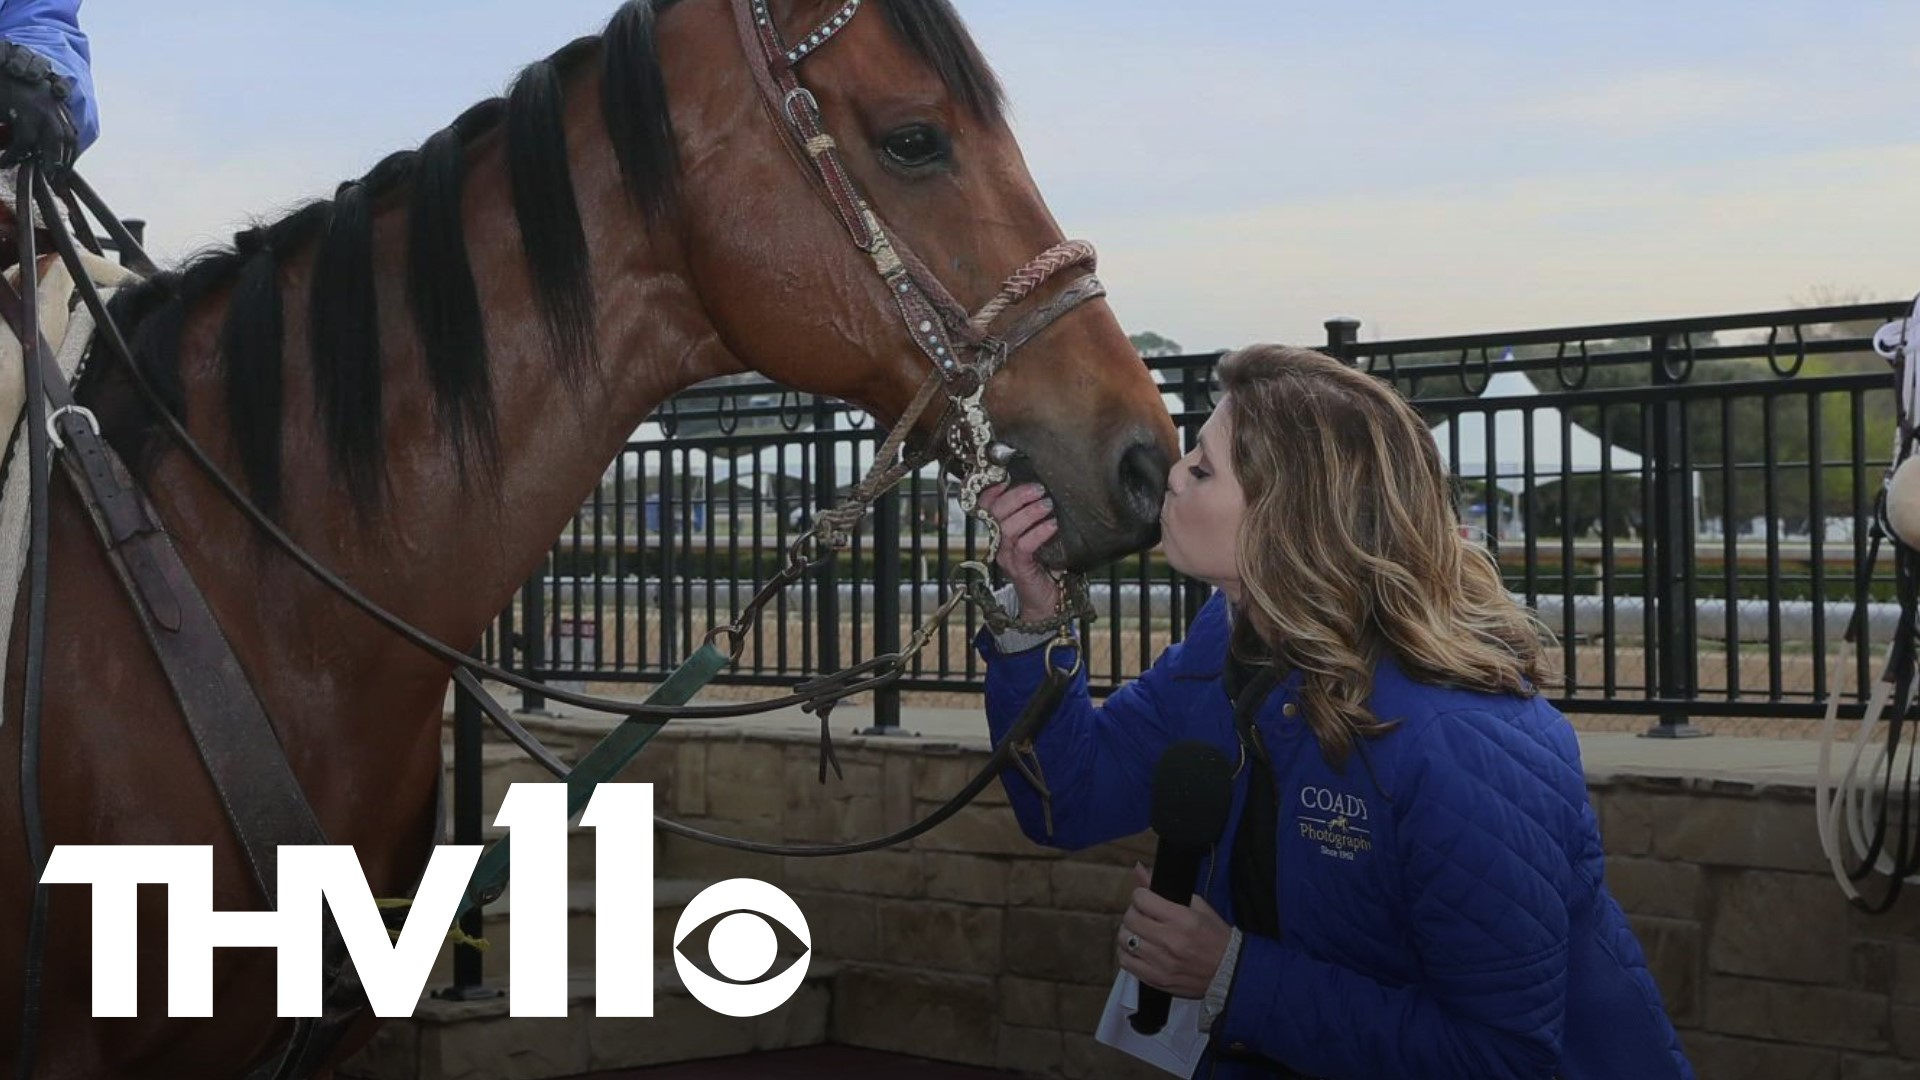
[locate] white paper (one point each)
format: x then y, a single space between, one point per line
1177 1048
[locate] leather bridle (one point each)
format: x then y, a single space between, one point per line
961 345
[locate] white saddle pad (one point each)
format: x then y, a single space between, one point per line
68 335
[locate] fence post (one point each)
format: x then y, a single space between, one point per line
826 622
533 636
1342 333
1672 650
469 982
886 606
668 520
1194 401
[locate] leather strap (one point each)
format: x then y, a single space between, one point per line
253 780
932 317
1028 326
957 344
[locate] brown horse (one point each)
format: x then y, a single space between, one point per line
423 378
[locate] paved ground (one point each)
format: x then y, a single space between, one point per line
819 1063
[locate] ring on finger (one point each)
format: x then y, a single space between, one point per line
1132 944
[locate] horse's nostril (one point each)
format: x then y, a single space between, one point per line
1143 480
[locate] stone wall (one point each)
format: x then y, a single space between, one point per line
1766 970
973 945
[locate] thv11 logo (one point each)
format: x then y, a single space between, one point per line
741 944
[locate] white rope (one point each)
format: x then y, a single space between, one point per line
1852 800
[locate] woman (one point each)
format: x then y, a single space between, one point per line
1410 881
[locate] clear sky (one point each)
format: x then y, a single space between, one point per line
1248 168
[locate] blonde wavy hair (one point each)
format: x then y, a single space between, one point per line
1351 549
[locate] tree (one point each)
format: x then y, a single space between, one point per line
1150 344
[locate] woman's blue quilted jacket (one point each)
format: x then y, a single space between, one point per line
1441 901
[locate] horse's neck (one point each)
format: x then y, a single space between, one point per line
446 550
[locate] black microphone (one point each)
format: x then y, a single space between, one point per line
1192 794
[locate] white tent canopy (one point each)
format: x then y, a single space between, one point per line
689 462
1509 465
852 458
851 462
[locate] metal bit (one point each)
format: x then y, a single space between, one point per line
1001 454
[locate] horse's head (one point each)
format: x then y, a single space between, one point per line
915 115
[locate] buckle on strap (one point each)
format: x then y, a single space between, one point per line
53 423
800 93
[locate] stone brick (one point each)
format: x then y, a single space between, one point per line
1673 890
1761 832
1029 1002
745 781
944 1017
680 857
1138 848
1906 973
1900 924
1870 966
837 811
941 937
969 879
526 1049
1717 1057
658 769
982 830
1081 1006
1029 1051
1809 1015
1030 883
690 779
1626 820
1064 945
1087 1059
883 873
394 1051
1753 910
840 821
1080 887
938 778
802 1021
1906 1031
896 794
844 926
682 1029
1878 1068
1673 955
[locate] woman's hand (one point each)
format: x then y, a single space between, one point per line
1176 949
1026 522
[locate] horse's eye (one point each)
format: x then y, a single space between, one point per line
916 146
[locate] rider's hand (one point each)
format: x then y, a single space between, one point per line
1026 522
33 104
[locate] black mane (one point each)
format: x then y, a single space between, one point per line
441 294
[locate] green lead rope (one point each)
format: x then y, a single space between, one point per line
602 763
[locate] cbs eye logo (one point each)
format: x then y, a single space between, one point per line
740 919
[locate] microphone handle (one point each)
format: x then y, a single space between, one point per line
1174 868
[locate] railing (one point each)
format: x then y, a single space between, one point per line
1686 503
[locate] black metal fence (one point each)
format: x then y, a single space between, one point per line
1686 503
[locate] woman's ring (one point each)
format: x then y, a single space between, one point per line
1133 943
